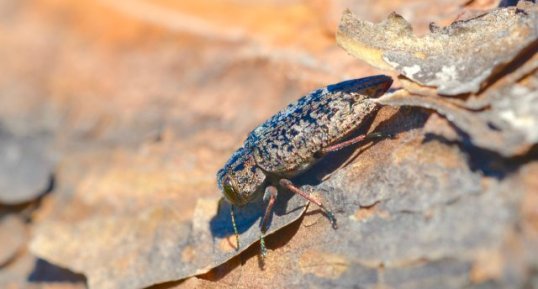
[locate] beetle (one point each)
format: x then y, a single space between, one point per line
294 139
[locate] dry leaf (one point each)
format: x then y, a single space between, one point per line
456 59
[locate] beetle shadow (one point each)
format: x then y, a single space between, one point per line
221 224
245 217
404 119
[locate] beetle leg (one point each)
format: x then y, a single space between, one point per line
236 233
270 197
290 186
350 142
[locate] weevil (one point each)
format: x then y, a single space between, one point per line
294 139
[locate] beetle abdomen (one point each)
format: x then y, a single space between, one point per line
288 141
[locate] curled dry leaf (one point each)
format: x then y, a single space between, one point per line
492 58
507 126
456 59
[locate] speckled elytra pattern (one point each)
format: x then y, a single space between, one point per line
285 145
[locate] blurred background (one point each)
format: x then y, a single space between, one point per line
111 106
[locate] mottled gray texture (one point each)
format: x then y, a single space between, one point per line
285 145
288 141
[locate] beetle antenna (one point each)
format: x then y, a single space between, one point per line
263 249
232 214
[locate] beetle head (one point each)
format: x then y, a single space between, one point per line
241 180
